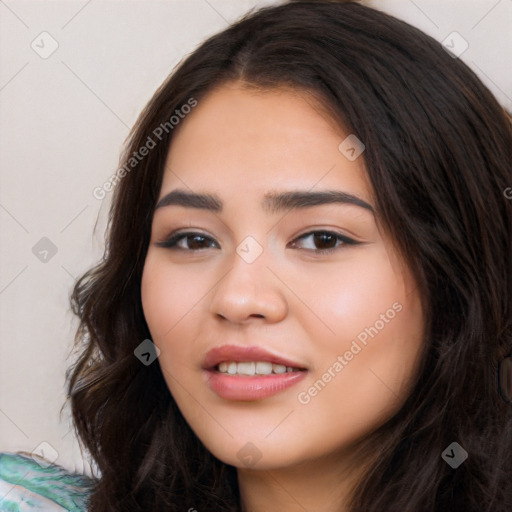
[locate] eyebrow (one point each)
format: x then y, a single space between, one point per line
273 201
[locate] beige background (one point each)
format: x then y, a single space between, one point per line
63 121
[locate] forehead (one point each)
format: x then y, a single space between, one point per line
250 138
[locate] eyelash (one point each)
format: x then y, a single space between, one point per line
171 242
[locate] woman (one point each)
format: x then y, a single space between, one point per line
306 291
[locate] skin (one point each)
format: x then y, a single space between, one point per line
239 144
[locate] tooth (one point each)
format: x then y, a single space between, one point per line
263 368
278 368
246 368
252 368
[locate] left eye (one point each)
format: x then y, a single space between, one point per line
320 242
327 240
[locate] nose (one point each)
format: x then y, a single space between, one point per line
249 291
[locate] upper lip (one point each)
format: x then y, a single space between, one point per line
227 353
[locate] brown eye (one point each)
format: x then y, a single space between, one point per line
187 242
323 242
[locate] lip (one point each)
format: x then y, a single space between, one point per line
227 353
245 387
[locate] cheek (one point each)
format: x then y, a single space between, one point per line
355 300
170 301
372 344
168 295
369 382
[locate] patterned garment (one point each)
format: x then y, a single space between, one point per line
28 486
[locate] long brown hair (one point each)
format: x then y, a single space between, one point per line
438 155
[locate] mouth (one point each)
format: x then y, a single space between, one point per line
249 373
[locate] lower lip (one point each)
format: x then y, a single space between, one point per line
243 387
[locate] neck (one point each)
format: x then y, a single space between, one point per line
322 485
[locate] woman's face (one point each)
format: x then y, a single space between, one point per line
247 282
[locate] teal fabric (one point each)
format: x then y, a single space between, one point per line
29 484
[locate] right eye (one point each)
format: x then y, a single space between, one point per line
190 241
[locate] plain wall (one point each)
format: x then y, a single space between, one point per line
63 120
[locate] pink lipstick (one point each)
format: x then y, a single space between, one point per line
249 373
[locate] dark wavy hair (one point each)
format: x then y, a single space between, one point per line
439 157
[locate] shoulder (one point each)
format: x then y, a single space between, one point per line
28 484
